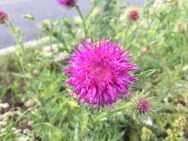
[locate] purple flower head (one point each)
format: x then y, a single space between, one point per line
133 15
143 106
99 73
67 3
3 16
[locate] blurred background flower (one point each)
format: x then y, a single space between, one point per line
3 16
67 3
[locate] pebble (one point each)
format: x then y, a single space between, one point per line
17 131
9 114
18 113
4 106
2 130
29 103
30 123
26 131
2 124
13 129
23 138
149 122
61 56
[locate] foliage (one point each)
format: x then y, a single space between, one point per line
41 106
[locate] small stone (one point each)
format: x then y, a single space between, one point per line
165 100
61 57
18 109
48 51
29 104
4 118
2 130
26 131
4 107
23 138
2 124
149 122
18 113
8 114
13 129
17 131
1 117
23 124
30 123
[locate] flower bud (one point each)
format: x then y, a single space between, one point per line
133 15
3 17
143 106
46 25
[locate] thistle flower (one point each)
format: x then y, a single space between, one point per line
67 3
99 73
3 17
133 15
143 106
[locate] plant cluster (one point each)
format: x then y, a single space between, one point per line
110 98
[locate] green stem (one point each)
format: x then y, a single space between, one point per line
16 35
125 32
60 39
83 20
19 42
128 27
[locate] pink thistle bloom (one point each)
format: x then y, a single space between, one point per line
3 16
133 15
99 73
143 106
67 3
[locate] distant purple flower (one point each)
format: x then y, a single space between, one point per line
67 3
99 73
133 15
143 106
3 16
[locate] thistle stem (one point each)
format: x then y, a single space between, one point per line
128 27
83 20
19 41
